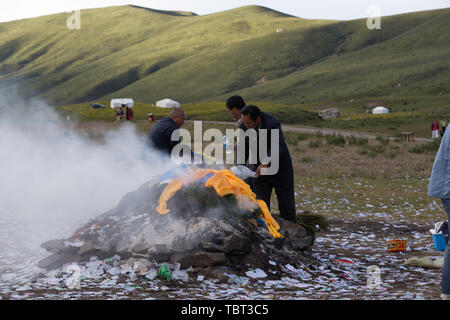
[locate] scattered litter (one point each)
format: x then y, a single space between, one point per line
425 262
164 273
343 261
200 278
256 274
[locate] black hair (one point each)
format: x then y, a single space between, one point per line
236 102
252 111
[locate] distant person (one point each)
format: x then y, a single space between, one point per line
440 188
121 114
235 104
129 113
118 115
443 124
283 180
434 129
160 136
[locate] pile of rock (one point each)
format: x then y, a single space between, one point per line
202 230
332 113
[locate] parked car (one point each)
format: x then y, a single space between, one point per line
97 106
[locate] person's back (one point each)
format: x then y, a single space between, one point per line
435 125
160 136
269 122
434 129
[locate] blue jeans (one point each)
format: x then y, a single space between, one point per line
446 269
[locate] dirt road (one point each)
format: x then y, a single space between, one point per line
324 131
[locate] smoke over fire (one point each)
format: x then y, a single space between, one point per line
53 174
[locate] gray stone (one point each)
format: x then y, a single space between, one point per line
58 246
187 235
302 243
228 244
198 259
293 230
330 114
57 260
88 248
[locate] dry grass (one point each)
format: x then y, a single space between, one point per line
327 160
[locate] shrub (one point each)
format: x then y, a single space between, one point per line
294 138
372 151
315 143
391 154
302 136
432 146
353 141
383 141
336 140
291 138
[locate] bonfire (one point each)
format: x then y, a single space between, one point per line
194 217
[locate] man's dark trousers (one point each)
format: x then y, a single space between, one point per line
283 183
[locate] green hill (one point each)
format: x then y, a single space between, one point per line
265 55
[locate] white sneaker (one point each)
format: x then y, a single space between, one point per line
445 296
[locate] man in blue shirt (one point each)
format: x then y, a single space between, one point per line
439 187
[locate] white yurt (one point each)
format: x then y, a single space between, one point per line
168 104
118 103
380 110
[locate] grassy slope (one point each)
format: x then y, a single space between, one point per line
149 54
122 46
412 49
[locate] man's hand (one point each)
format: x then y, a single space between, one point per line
258 171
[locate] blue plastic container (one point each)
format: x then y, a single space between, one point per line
439 242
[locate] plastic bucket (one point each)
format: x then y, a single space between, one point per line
439 242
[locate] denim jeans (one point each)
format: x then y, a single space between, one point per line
446 269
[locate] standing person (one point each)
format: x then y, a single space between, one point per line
121 115
434 129
129 114
440 188
117 114
235 104
283 180
443 124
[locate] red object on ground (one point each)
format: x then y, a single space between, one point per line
336 261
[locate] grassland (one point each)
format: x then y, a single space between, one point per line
128 51
348 178
306 116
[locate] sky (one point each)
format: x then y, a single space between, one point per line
317 9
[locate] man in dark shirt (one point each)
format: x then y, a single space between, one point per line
283 180
160 136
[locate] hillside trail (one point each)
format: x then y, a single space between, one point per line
323 131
